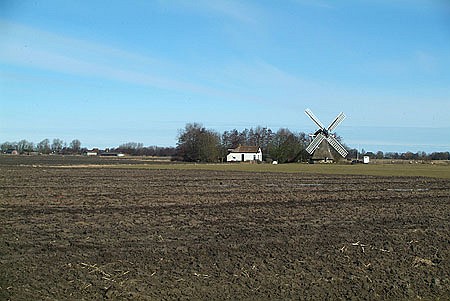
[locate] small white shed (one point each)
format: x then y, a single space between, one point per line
244 153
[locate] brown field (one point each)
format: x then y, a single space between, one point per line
151 234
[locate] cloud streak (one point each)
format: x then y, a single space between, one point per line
250 82
34 48
256 83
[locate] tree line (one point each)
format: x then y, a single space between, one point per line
57 146
138 149
199 144
405 156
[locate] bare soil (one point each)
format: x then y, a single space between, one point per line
96 233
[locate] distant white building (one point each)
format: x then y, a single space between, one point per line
244 153
93 152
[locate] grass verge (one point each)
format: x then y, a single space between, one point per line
410 170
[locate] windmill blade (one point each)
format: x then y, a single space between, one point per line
315 143
337 146
314 118
336 122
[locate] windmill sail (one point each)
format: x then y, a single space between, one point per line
337 146
336 122
314 118
325 134
315 143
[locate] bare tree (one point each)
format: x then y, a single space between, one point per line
44 146
8 145
75 146
57 145
24 146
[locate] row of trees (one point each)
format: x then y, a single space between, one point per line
58 146
198 144
44 147
138 149
408 155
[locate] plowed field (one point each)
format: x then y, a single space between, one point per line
94 233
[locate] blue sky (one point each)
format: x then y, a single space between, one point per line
110 72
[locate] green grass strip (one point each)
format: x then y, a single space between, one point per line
409 170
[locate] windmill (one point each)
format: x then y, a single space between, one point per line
324 137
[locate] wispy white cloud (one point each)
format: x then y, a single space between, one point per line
38 49
252 83
258 82
30 37
29 47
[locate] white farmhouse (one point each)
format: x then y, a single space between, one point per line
244 153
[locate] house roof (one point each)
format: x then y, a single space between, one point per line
245 149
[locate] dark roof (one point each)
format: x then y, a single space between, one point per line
245 149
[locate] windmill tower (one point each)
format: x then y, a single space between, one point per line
323 138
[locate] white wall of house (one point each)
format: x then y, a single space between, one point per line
242 157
